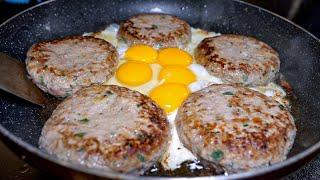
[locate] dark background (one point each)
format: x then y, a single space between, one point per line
305 13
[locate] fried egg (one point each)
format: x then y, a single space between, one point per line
170 75
143 88
177 74
141 53
134 73
174 56
170 95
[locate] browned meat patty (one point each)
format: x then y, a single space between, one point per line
109 128
235 127
62 67
157 30
238 59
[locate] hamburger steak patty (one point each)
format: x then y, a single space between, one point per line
235 127
61 67
238 59
107 127
157 30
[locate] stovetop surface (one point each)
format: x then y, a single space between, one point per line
307 15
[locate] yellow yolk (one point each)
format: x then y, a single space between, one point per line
174 56
134 73
176 74
170 96
142 53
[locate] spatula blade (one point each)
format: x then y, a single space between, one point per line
13 79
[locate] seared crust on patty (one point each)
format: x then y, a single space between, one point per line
107 127
157 30
238 59
235 127
63 66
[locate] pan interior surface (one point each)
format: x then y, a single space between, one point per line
299 51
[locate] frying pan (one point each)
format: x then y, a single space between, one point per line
21 122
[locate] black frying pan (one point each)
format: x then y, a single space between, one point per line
21 122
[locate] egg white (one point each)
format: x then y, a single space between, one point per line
176 152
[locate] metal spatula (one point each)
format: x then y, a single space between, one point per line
13 79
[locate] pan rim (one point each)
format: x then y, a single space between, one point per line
258 172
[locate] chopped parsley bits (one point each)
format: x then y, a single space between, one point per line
141 137
109 93
42 81
217 155
68 93
281 107
228 93
123 39
81 149
245 125
125 156
80 135
154 26
84 120
141 158
245 78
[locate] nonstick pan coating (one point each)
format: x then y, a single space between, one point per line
21 122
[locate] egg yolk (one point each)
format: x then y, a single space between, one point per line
174 56
169 96
134 73
142 53
176 74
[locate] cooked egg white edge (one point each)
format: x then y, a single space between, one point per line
177 153
204 79
274 91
